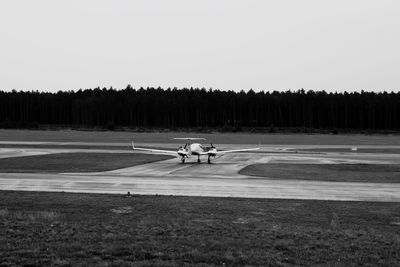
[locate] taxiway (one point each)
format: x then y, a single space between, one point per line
220 179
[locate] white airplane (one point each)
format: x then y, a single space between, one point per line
193 149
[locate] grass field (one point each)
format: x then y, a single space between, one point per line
359 150
373 173
217 138
88 229
127 146
76 162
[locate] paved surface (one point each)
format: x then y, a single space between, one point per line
12 153
221 178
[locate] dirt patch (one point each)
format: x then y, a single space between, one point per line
207 221
122 210
244 220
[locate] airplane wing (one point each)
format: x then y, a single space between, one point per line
232 151
157 151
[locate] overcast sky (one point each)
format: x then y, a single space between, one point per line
265 45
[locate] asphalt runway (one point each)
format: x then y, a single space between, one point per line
219 179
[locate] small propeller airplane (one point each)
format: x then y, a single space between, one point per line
193 149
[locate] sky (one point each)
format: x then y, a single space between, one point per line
342 45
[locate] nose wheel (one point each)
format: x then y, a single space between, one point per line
198 159
209 160
183 159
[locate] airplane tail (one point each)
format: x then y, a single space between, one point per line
188 138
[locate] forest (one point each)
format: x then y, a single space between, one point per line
193 108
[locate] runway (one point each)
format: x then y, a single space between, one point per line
219 179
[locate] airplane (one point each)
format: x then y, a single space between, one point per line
192 149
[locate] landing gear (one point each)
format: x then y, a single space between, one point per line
198 159
183 159
209 160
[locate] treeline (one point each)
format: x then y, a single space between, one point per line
200 108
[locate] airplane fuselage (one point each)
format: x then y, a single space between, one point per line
194 149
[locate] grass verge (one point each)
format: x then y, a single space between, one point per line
93 229
348 150
215 138
373 173
76 162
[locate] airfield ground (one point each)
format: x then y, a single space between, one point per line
368 173
76 162
94 229
282 220
116 138
233 175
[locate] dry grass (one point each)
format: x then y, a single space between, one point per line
216 138
29 215
373 173
348 150
90 229
4 212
